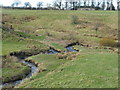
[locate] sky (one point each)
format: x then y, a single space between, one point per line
34 2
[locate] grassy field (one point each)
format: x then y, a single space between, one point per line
85 71
88 68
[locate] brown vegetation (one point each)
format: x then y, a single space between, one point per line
68 55
108 41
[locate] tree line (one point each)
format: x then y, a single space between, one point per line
72 4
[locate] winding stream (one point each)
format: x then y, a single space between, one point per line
33 70
33 67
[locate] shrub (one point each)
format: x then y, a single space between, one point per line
108 42
75 19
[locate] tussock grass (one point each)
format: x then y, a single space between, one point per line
10 65
92 68
68 56
108 41
84 71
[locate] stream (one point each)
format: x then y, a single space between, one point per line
33 67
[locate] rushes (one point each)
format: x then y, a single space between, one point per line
68 56
75 19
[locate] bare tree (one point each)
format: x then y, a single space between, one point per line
13 5
92 5
39 4
112 6
70 4
103 5
88 2
57 3
73 5
66 4
118 5
79 3
84 3
98 4
27 4
48 5
108 5
16 3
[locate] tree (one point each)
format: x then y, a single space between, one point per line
112 6
84 3
66 4
118 5
103 5
92 5
27 4
108 6
57 3
13 5
73 5
98 6
79 3
88 3
39 4
16 3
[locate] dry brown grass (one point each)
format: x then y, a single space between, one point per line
28 18
7 60
7 18
68 55
108 41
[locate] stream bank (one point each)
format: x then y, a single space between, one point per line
22 55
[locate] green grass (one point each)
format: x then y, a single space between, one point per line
30 36
87 50
48 62
58 46
90 68
12 42
12 46
12 69
86 71
9 73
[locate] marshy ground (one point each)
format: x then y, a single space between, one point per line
94 66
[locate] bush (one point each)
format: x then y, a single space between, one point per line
75 19
108 42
